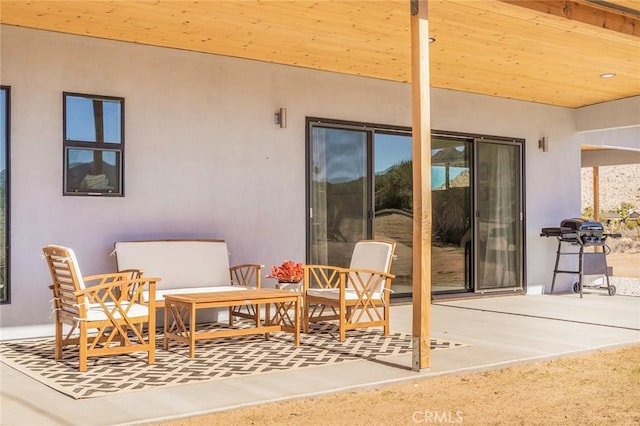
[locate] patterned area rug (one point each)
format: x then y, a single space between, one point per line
215 359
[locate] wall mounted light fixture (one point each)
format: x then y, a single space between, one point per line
281 118
543 144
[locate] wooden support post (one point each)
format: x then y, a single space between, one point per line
421 121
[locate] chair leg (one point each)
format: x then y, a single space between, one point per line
151 327
386 319
58 350
152 344
342 320
123 340
82 344
305 318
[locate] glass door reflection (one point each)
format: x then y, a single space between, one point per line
393 194
339 188
451 191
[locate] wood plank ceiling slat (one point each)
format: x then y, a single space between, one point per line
482 46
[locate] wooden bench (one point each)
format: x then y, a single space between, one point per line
188 266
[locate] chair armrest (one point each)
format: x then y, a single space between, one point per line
370 271
246 275
117 291
134 273
309 266
111 277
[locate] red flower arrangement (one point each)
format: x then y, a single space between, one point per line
288 272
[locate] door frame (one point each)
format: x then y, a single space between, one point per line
7 206
474 137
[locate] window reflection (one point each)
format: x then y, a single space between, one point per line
92 170
93 120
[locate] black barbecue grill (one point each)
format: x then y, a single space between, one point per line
582 233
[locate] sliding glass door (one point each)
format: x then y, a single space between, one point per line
499 216
452 206
359 181
393 203
339 193
360 184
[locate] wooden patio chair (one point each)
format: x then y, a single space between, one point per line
245 276
107 318
358 296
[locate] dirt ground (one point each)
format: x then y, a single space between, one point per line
625 264
598 388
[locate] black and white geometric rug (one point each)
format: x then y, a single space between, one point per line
215 359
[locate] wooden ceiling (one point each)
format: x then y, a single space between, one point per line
550 52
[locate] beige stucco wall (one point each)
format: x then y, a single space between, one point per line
610 115
205 159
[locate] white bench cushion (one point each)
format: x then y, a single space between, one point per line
161 293
178 263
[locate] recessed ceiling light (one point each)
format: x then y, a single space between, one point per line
607 75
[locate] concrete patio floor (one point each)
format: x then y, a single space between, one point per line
500 331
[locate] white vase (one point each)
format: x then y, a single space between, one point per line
289 286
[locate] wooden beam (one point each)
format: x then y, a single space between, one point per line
421 120
587 13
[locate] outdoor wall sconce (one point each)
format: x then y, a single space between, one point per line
281 118
543 144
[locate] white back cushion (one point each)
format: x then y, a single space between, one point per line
178 263
76 268
74 262
64 277
372 255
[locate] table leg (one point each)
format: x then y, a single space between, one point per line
165 343
267 317
287 321
297 322
192 330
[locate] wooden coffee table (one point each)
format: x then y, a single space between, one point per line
180 314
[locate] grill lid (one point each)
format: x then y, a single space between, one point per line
582 225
